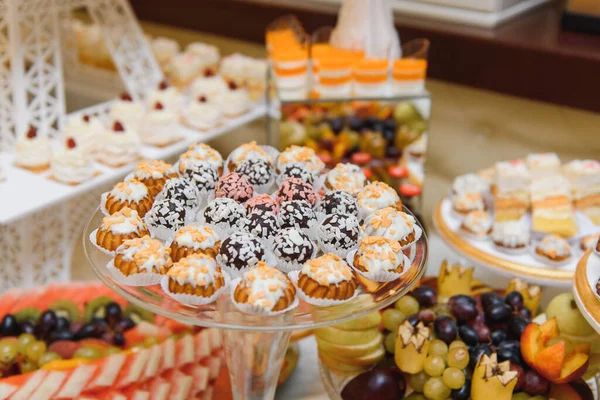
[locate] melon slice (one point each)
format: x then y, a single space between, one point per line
30 385
214 367
202 344
153 364
167 360
77 380
50 385
200 374
181 384
107 372
184 350
159 389
133 368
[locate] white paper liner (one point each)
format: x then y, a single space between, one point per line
546 260
96 245
318 302
272 152
418 233
222 229
266 187
256 310
379 276
191 299
294 265
142 279
511 251
237 273
103 203
473 236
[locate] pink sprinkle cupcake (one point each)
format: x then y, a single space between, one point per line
296 189
262 202
234 186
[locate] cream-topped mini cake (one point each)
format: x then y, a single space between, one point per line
185 67
233 68
142 255
551 206
375 196
584 176
197 274
160 127
127 111
165 94
247 151
208 54
347 177
301 155
472 183
201 114
327 277
543 165
465 202
391 224
511 189
154 174
554 248
120 145
201 152
265 288
33 151
512 235
478 223
208 86
590 242
164 50
235 101
118 227
72 164
194 239
86 130
376 254
129 194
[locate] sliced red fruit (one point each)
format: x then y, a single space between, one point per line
133 368
64 348
549 360
152 368
200 374
184 348
32 132
167 360
159 389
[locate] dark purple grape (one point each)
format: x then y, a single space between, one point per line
483 332
119 339
126 324
463 308
389 124
510 344
497 313
515 300
464 393
101 323
380 384
516 326
479 319
468 335
62 324
9 326
425 295
47 321
534 384
55 336
27 327
514 356
355 123
88 331
498 336
112 313
489 298
371 121
525 314
445 329
426 316
476 352
336 125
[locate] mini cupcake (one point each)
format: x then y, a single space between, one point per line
195 280
263 224
264 290
327 278
127 111
202 115
224 215
234 186
194 239
470 183
477 223
165 94
292 247
86 130
511 235
166 217
338 234
465 202
262 202
72 164
379 257
247 151
375 196
118 227
235 101
209 87
153 174
201 152
184 68
590 242
298 171
553 248
240 251
391 224
130 194
295 189
164 49
120 145
183 191
33 152
338 202
203 175
208 53
159 126
346 177
297 214
258 172
141 256
300 155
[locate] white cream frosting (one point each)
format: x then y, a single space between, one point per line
155 169
347 177
149 254
329 269
129 191
72 165
467 201
164 49
555 246
470 183
87 133
543 165
202 152
33 152
389 223
512 176
196 237
590 242
123 222
552 186
159 127
203 115
511 234
248 151
119 148
129 113
169 97
195 270
185 67
234 102
584 176
267 285
377 254
302 155
478 222
208 53
375 196
210 87
234 67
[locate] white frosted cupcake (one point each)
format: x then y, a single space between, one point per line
347 177
184 68
512 236
196 279
208 54
234 68
301 155
120 145
169 96
235 101
201 153
128 111
379 259
478 224
194 239
32 151
160 127
553 248
72 164
208 86
375 196
391 224
164 50
203 115
86 130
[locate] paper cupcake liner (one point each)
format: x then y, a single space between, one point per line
256 310
272 152
418 233
379 276
318 302
474 236
511 251
96 245
293 265
328 248
191 299
103 203
222 229
143 279
547 261
265 188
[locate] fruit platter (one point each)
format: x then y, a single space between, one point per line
453 337
533 217
586 288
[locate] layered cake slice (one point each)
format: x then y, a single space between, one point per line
543 165
511 190
584 176
551 207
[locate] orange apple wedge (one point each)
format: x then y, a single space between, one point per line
535 336
548 361
574 365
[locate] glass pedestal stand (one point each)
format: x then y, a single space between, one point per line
255 346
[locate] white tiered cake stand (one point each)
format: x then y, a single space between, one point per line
254 345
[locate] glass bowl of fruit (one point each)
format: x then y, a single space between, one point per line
453 337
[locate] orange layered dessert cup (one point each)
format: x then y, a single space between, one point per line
409 76
371 78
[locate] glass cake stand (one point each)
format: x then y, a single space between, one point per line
255 345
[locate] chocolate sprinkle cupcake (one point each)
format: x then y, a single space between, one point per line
263 224
224 211
338 231
296 189
241 250
293 245
166 213
338 202
256 171
181 190
297 171
203 175
296 214
262 202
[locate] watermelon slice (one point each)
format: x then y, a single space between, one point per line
76 382
152 368
159 389
107 372
184 350
200 375
133 368
181 384
167 360
25 390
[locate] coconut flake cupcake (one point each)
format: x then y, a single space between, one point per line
302 155
130 194
197 276
166 217
142 255
153 174
203 175
246 151
292 248
327 277
376 255
297 214
181 190
298 171
264 290
553 248
262 202
240 251
477 223
258 172
194 239
375 196
234 186
465 202
201 152
338 202
346 177
224 215
295 189
338 234
511 235
118 227
391 224
263 224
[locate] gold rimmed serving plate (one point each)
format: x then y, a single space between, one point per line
586 276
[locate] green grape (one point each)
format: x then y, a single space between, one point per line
415 396
89 353
8 351
111 350
27 366
520 396
407 305
390 342
458 357
435 389
47 357
453 378
23 341
35 350
434 366
417 381
457 343
438 348
391 319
